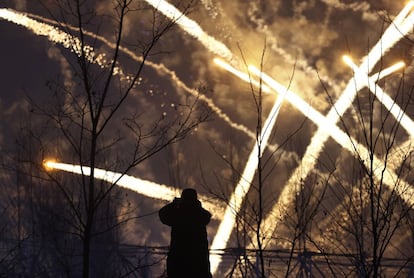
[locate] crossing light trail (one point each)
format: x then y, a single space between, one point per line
394 162
400 27
384 98
143 187
58 36
243 186
329 128
146 188
230 217
403 22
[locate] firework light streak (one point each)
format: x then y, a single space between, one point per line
143 187
388 39
58 36
327 128
243 186
340 212
242 75
147 188
385 99
400 27
159 68
192 28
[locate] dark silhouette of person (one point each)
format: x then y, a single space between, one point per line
188 256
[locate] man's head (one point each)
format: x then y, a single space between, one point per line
189 195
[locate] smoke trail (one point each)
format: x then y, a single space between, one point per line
162 69
143 187
57 36
363 7
287 57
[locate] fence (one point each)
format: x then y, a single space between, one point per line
28 257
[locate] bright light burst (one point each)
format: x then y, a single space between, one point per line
49 164
327 125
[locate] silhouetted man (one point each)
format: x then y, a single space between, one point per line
188 256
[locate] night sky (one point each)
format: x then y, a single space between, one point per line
303 43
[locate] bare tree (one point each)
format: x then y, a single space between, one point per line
250 236
372 186
88 124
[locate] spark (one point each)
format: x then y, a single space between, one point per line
243 186
49 164
192 28
161 69
379 75
144 187
56 35
217 110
